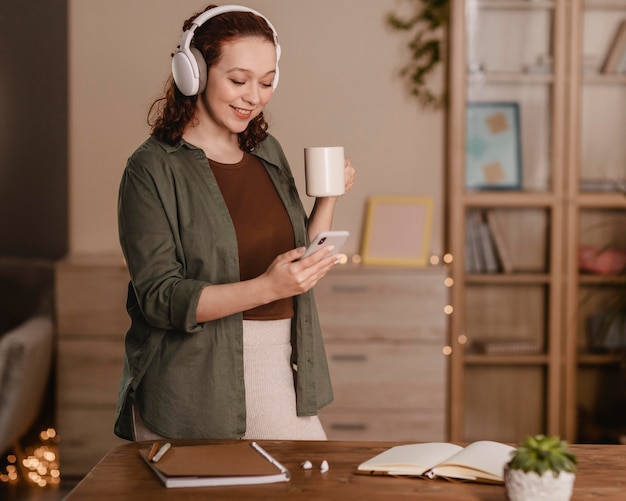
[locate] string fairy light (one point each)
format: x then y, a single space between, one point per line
39 466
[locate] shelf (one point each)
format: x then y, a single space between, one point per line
509 199
601 358
508 360
604 79
605 5
508 279
512 4
602 200
514 78
585 279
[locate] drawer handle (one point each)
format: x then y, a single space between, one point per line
350 288
349 358
348 426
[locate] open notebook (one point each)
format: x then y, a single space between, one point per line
482 461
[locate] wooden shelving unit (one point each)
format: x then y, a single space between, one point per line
589 373
507 396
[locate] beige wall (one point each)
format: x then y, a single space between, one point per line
338 86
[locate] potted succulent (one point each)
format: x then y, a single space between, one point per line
540 469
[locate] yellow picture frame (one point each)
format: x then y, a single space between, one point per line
397 231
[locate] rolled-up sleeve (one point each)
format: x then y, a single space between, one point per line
150 241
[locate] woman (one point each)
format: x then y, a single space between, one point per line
224 340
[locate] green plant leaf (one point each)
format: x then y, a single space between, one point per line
542 453
426 47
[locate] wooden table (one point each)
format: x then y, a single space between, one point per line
122 474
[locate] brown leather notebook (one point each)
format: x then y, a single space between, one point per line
237 463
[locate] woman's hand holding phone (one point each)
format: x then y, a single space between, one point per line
291 274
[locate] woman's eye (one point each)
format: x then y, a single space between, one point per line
241 83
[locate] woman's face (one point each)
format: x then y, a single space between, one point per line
239 84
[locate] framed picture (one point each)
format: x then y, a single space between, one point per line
493 149
397 231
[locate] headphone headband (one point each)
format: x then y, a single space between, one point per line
188 65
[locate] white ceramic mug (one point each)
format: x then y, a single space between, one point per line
324 171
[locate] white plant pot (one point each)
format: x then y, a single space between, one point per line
522 486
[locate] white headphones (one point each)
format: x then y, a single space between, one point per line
188 65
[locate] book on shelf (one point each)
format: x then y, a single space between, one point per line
481 461
470 251
614 56
240 463
525 233
504 257
486 245
486 250
474 254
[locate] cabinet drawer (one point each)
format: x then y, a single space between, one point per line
91 299
419 426
369 304
89 372
388 375
86 435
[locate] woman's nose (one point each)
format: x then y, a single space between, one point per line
252 95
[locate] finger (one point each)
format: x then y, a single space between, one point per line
341 259
318 255
349 181
349 169
292 255
323 268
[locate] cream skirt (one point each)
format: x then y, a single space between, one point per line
270 392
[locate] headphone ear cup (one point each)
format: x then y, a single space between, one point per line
184 71
202 69
277 75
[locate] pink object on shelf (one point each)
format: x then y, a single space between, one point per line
601 261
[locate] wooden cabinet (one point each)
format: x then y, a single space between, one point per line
544 160
595 374
385 332
91 324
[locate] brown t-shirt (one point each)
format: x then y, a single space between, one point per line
261 223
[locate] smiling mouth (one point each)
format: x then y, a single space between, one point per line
242 113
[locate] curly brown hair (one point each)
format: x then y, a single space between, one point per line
171 113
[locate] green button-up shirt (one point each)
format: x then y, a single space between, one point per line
177 237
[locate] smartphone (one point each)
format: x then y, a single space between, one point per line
326 238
